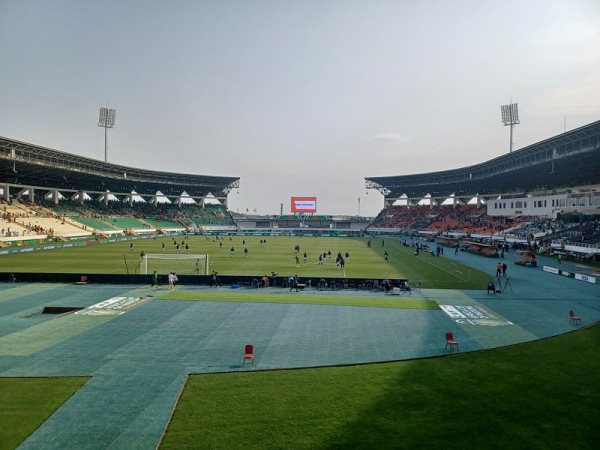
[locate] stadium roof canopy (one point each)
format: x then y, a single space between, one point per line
31 165
567 160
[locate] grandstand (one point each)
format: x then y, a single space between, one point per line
36 207
562 162
511 196
30 167
49 193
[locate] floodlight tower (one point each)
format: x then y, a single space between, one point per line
510 116
106 121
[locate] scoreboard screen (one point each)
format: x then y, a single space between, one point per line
304 204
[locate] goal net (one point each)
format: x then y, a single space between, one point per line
178 263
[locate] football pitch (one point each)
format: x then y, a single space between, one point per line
332 369
264 255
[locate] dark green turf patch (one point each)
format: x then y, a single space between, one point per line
27 402
540 395
383 301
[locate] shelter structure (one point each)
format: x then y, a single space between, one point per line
27 168
564 161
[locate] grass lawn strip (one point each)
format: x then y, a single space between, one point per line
27 402
524 396
295 298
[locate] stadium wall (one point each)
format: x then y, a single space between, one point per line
547 205
199 280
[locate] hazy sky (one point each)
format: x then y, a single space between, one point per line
303 98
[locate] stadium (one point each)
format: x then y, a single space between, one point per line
79 300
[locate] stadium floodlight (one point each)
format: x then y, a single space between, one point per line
106 121
510 117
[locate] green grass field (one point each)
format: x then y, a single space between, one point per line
532 396
283 296
276 255
27 402
536 395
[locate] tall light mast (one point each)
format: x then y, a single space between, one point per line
106 121
510 117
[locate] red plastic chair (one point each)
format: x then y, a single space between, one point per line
574 318
450 341
249 353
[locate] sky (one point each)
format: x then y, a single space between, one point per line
297 98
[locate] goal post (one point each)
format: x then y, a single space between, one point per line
179 263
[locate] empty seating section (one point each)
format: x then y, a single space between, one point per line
118 217
128 223
208 215
95 225
54 227
438 219
163 224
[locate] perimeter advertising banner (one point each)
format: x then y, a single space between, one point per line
304 204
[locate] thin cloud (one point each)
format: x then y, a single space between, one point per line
395 137
578 95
